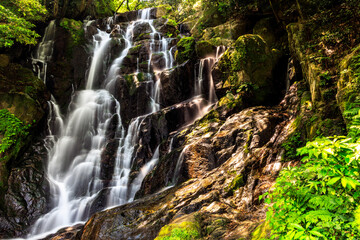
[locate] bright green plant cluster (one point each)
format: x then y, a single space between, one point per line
16 19
74 28
12 129
318 199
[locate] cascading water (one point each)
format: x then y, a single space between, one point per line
74 161
44 51
206 63
74 157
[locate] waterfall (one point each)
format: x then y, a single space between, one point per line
74 160
77 141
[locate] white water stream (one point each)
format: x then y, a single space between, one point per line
78 139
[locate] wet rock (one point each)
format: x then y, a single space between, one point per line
25 199
68 233
67 66
176 84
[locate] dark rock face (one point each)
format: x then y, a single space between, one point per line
22 200
25 198
67 68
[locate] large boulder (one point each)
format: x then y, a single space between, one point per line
250 67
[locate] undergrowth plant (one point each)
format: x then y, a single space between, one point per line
11 129
319 199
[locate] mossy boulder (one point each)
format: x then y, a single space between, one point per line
263 231
163 10
75 29
349 84
185 50
230 30
297 34
248 67
205 49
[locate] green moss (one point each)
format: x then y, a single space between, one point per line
130 83
180 231
186 49
135 49
172 22
75 29
140 77
248 141
261 232
236 183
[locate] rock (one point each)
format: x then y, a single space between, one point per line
4 60
22 93
347 88
205 49
250 65
231 189
230 30
68 65
68 233
297 35
176 84
25 199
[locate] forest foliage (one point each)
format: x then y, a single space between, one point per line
17 18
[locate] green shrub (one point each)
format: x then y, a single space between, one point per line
318 199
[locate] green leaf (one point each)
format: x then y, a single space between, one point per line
315 233
332 181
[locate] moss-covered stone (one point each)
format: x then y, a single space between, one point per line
75 30
248 67
184 228
204 49
349 84
230 30
263 231
186 49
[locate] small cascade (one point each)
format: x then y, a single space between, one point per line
178 166
115 66
136 184
101 42
120 179
44 51
155 94
205 77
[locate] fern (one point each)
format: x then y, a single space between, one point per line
318 215
327 202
